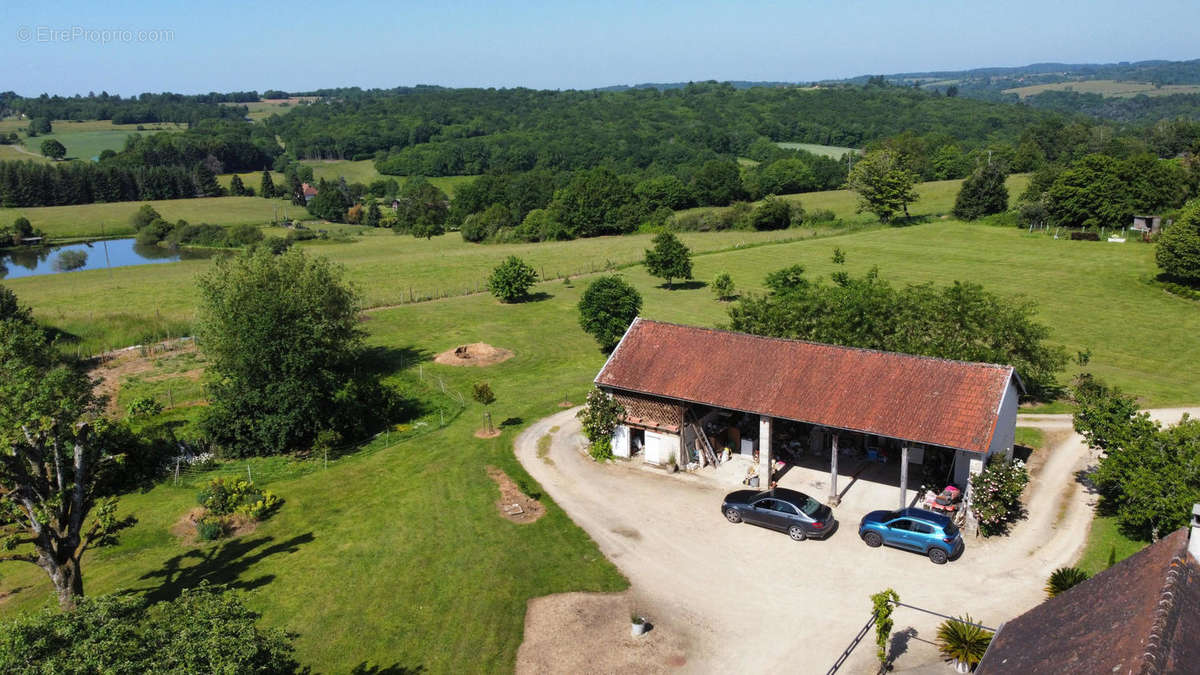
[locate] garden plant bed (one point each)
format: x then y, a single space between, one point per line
474 354
184 529
514 504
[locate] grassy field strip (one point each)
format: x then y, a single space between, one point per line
363 171
834 151
91 220
1111 88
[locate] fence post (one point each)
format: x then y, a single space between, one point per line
248 476
177 461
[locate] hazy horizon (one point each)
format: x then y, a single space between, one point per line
77 47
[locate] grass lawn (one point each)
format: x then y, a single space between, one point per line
404 543
1031 437
363 171
10 153
86 140
252 179
1092 295
834 151
1106 540
91 220
935 199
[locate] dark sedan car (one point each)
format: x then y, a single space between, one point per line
781 509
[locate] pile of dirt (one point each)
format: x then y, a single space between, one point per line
514 504
474 354
184 529
589 632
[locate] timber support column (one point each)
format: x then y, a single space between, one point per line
834 497
764 452
903 476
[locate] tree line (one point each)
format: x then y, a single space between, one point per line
31 184
142 109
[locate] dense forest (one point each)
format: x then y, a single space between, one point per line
143 109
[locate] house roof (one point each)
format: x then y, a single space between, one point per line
1141 615
308 190
953 404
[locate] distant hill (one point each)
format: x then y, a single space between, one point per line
664 86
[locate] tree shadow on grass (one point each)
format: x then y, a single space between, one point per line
685 285
224 564
365 668
512 422
535 297
386 361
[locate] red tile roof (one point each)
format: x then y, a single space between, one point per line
953 404
308 190
1141 615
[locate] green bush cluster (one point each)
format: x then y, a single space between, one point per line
152 230
224 499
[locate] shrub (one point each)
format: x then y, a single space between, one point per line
819 216
1178 252
210 528
243 235
511 279
958 639
772 214
222 497
1063 579
722 286
146 406
599 418
144 216
996 494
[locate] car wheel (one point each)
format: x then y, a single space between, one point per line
733 516
873 539
938 556
797 533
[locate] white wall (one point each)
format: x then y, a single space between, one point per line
660 447
1006 422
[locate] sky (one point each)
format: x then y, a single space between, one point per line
68 47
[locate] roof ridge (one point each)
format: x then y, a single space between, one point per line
1158 641
923 357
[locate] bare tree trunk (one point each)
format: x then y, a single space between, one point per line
67 580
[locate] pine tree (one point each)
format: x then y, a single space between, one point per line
983 193
267 186
236 187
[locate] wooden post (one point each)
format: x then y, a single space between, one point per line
834 497
904 475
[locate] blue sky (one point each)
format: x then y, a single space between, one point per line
225 46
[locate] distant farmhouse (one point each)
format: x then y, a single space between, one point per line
309 192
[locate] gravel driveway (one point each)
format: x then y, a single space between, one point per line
751 600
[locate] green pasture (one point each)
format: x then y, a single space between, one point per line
404 543
94 220
10 153
834 151
363 171
1111 88
86 140
252 179
935 199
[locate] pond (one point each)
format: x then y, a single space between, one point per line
31 262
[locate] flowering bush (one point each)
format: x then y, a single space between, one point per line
996 495
225 501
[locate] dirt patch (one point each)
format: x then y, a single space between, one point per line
589 633
184 529
112 368
194 375
474 354
514 504
484 433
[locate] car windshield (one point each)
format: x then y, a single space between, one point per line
809 506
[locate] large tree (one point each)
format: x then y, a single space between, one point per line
53 457
423 208
53 149
607 308
1178 252
883 184
982 193
669 259
266 186
281 336
960 321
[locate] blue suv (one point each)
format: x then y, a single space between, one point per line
932 534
